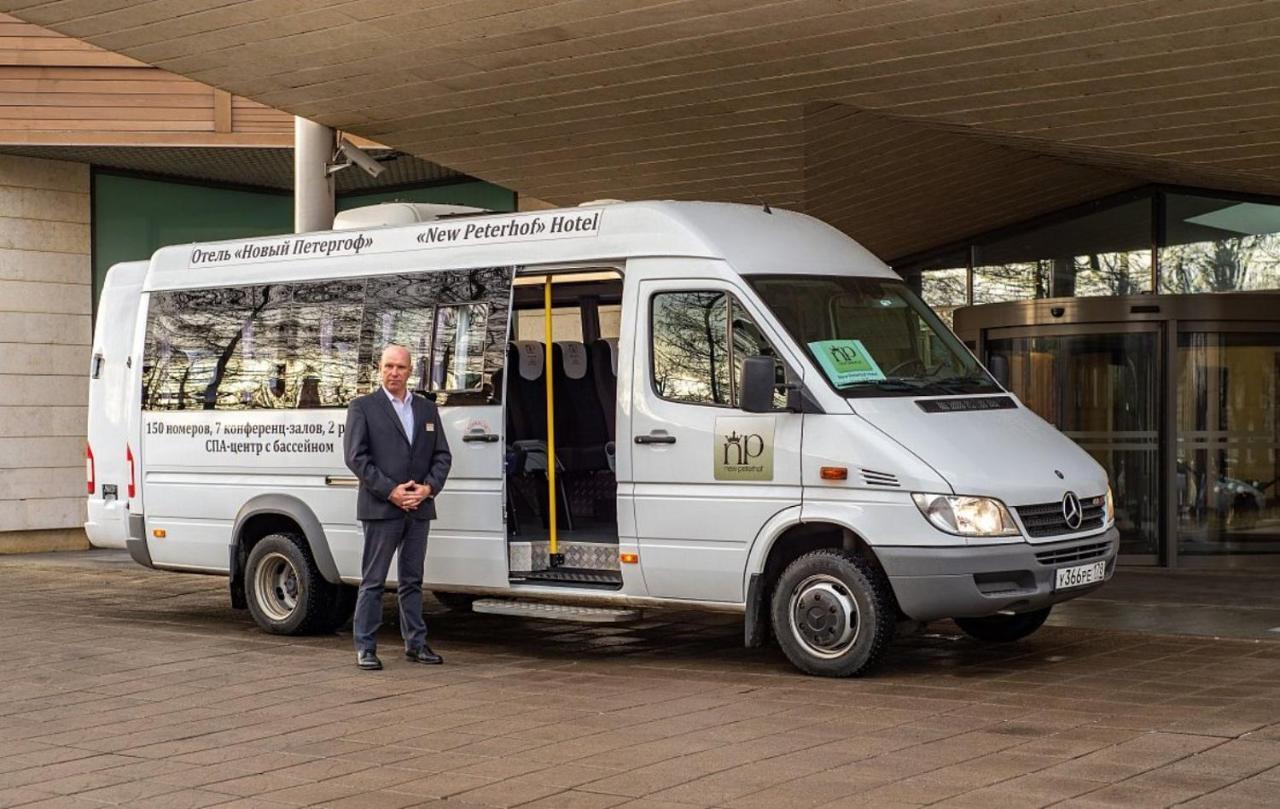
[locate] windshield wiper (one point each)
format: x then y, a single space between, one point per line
958 384
897 384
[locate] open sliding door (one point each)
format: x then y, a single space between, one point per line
457 362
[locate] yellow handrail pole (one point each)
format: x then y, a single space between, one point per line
551 421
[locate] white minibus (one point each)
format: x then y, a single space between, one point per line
650 404
107 456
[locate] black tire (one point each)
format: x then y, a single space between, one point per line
455 602
284 588
1003 628
833 614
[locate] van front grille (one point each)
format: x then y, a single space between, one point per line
1047 520
1073 553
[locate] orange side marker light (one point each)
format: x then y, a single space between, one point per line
159 533
834 473
629 558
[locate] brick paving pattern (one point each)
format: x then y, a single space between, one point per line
123 686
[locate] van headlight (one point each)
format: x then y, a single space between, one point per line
1109 510
967 516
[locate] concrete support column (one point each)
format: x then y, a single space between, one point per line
312 185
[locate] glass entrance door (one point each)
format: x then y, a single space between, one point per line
1100 385
1228 434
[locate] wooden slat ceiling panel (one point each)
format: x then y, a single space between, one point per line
1051 100
58 90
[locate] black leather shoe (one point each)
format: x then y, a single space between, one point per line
368 661
423 655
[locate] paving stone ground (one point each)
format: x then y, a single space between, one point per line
124 686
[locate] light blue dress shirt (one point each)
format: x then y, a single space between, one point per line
404 410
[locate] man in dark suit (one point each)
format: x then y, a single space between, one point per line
395 445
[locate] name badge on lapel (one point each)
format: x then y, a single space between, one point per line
431 426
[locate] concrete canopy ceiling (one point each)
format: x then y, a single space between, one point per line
904 122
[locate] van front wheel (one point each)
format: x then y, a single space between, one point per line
832 614
284 588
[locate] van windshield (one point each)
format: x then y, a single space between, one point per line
872 336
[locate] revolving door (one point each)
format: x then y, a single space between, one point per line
1177 396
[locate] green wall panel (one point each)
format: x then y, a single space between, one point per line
475 193
135 216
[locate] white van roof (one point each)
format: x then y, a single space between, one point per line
752 238
398 213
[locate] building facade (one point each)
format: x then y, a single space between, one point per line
104 159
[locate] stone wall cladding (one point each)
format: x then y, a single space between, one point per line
45 338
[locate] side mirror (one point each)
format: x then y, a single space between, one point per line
759 381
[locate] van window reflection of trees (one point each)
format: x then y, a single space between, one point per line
313 345
690 356
700 340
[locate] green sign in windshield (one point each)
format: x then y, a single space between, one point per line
846 362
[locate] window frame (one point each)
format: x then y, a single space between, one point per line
431 346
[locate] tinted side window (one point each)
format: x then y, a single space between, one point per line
457 354
699 342
398 309
322 354
690 347
485 291
315 344
204 346
454 324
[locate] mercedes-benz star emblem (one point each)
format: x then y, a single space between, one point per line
1071 511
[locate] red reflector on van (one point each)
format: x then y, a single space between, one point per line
88 468
128 456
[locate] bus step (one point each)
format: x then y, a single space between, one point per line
572 577
555 612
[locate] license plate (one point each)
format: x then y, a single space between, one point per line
1080 575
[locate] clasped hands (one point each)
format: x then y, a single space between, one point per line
409 495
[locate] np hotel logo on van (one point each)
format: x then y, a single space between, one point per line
651 404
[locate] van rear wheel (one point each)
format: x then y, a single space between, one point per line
832 614
284 588
1003 628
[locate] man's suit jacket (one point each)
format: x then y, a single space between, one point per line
382 457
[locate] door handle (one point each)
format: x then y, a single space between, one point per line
487 438
655 438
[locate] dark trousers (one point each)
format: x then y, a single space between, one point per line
382 538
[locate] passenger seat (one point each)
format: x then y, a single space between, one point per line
581 430
604 360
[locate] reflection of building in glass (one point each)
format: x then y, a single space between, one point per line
1158 239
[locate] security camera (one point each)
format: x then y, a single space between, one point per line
355 155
